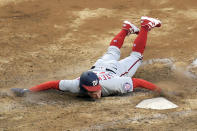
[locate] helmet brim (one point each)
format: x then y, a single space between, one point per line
92 88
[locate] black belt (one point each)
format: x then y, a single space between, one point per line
106 69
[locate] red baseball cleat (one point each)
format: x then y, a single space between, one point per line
132 29
150 22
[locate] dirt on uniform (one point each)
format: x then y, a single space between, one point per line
44 40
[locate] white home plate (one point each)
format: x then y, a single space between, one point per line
159 103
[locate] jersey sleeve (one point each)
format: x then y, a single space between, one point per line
145 84
117 86
69 85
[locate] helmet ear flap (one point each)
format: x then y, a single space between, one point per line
84 94
82 90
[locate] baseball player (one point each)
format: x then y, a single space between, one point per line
109 75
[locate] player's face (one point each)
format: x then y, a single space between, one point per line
95 94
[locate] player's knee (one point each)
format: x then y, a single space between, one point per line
138 55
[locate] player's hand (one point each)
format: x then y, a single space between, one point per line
19 91
158 90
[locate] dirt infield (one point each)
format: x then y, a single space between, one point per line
58 39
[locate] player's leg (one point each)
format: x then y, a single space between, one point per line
147 24
113 52
131 63
127 29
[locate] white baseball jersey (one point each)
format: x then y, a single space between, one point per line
114 75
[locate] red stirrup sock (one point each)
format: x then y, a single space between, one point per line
46 85
119 39
145 84
140 42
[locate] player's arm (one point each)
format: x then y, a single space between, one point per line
64 85
46 86
145 84
122 85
